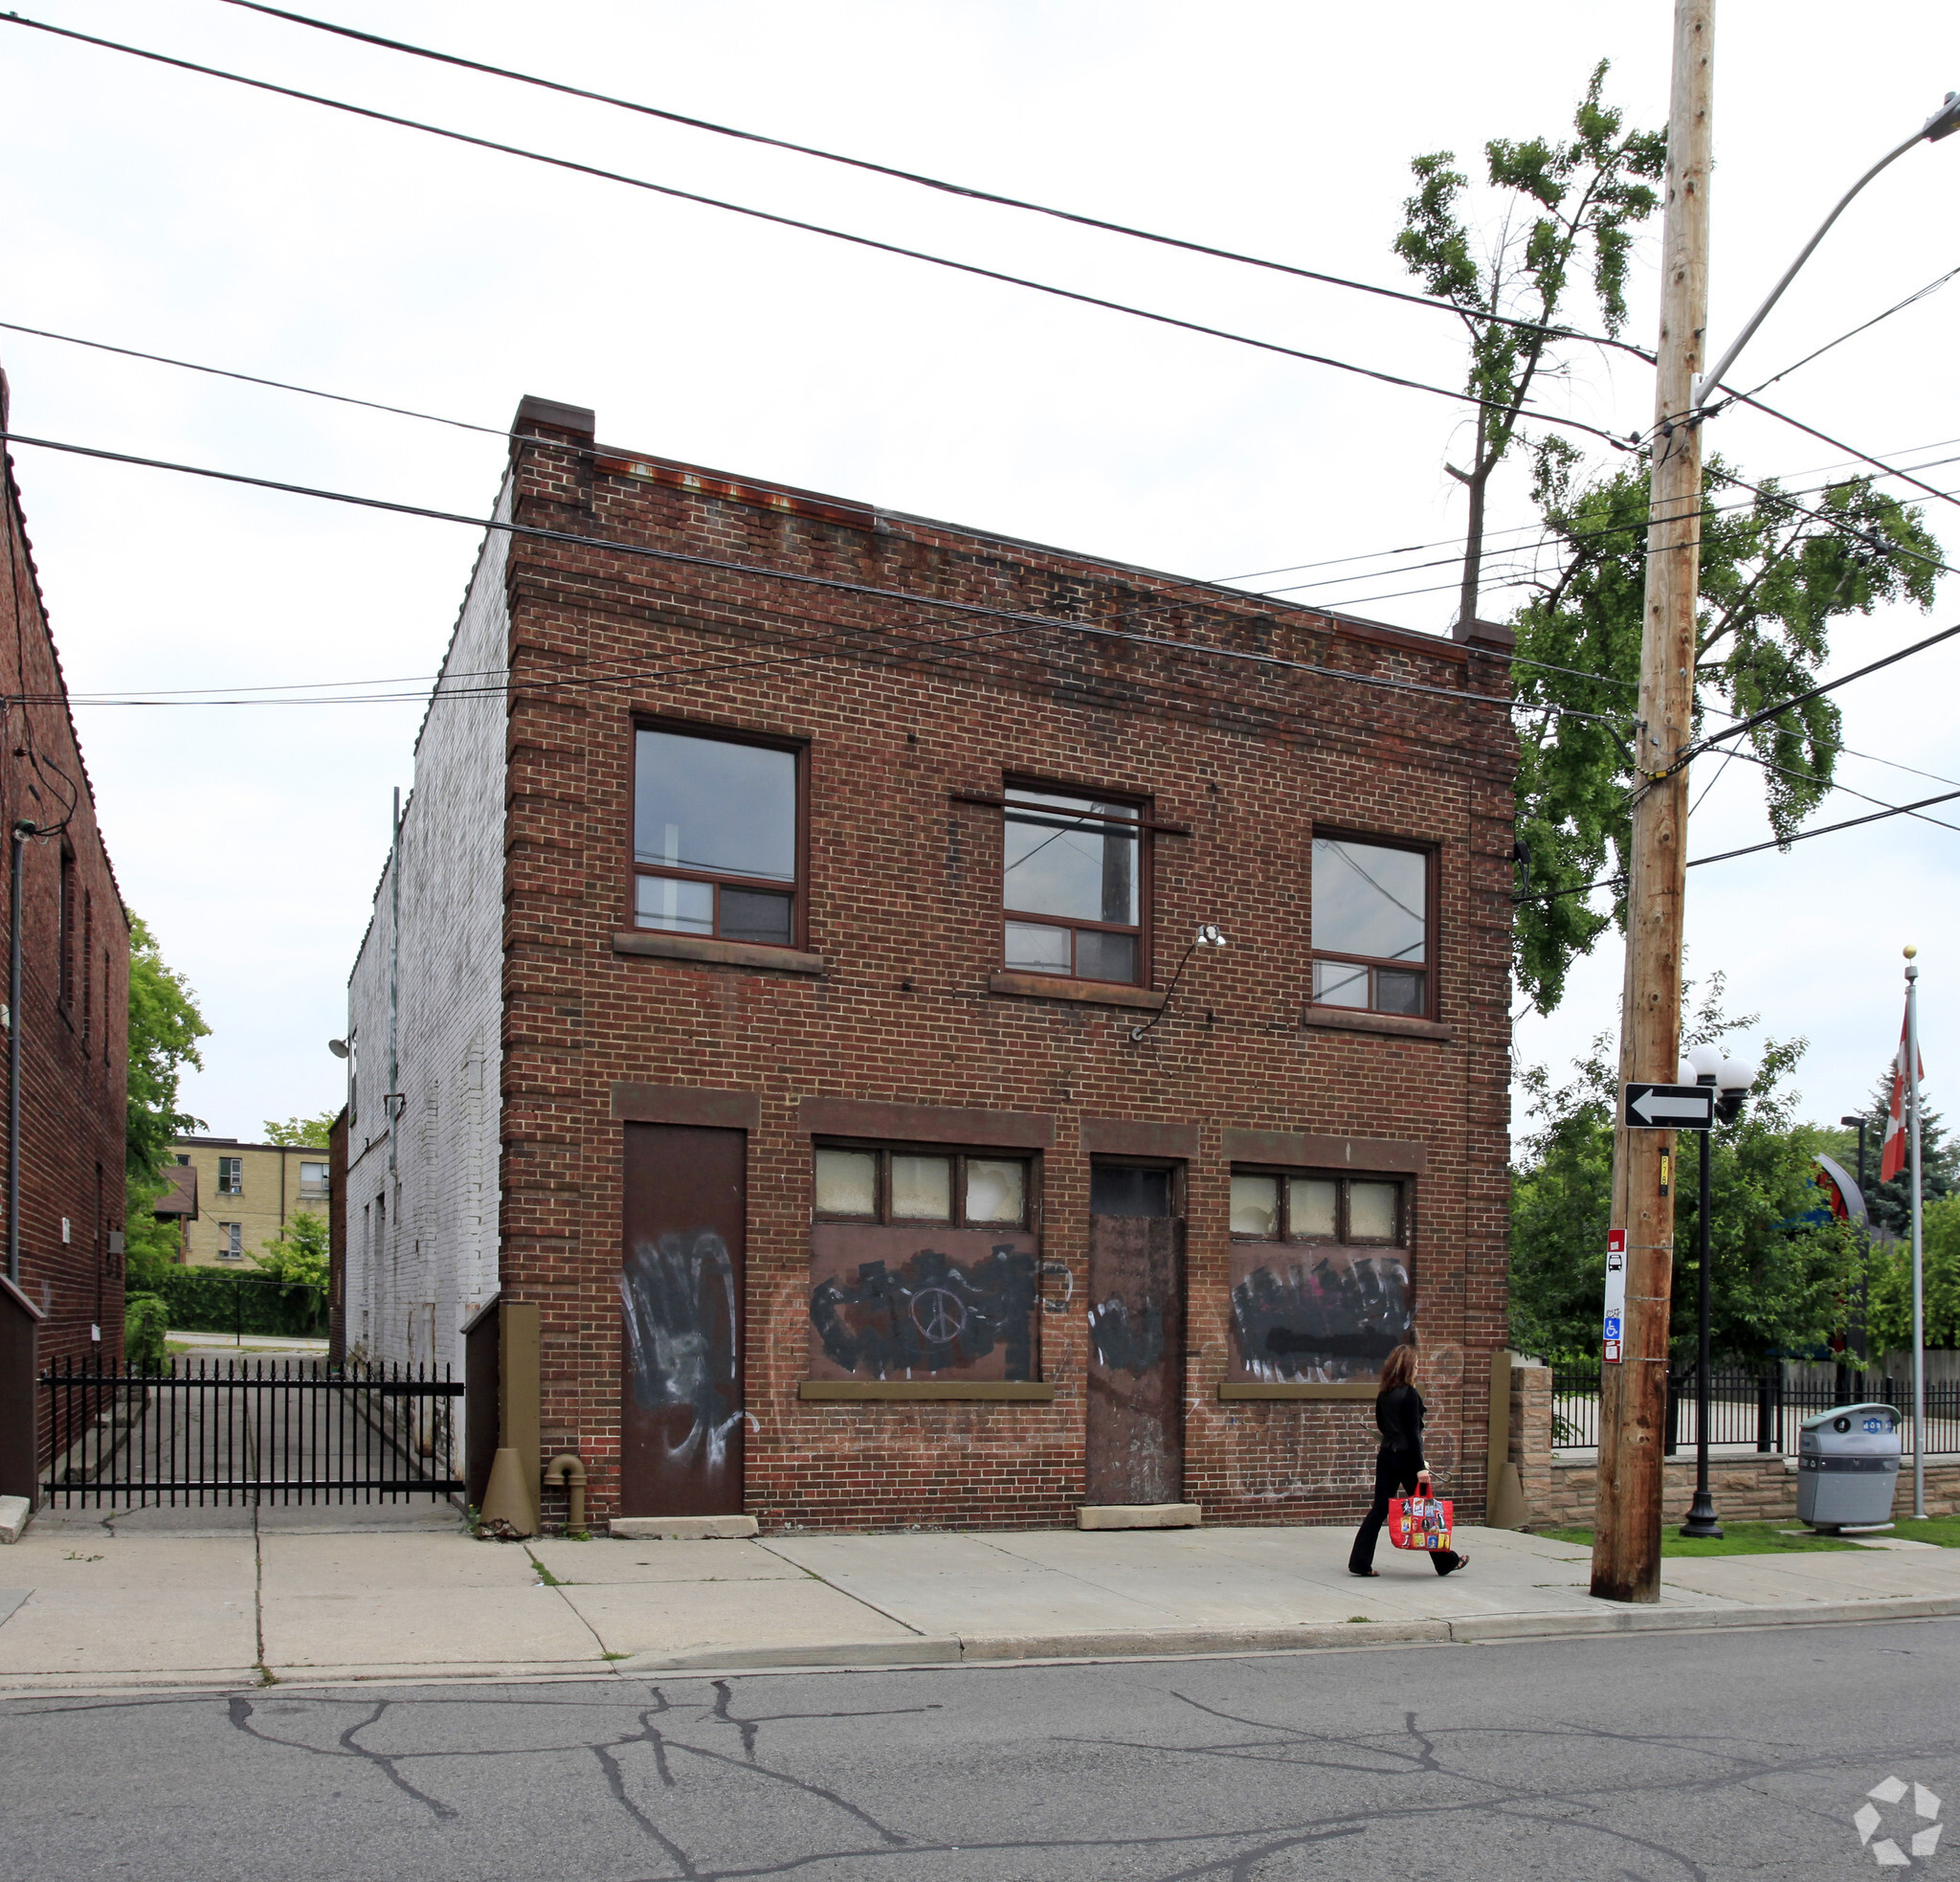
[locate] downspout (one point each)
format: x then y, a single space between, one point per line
22 831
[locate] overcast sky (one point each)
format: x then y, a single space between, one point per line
171 213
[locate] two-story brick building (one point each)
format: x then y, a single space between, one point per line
946 1031
66 1239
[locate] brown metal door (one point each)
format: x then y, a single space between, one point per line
1136 1359
681 1293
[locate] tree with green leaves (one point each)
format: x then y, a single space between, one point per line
1779 1283
1889 1314
1565 198
1890 1205
165 1026
301 1133
1776 574
298 1254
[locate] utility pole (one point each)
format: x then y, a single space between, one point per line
1633 1402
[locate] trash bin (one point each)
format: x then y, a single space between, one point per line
1847 1466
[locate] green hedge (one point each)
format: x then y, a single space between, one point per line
207 1300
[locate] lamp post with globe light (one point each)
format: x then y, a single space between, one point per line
1731 1077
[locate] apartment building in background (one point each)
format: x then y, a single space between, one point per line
240 1196
945 1030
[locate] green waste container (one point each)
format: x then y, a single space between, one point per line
1847 1466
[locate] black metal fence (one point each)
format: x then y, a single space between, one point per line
1759 1407
228 1432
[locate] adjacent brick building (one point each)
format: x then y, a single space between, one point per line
946 1031
74 983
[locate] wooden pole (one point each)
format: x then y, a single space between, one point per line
1626 1547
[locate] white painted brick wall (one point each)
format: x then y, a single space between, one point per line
422 1193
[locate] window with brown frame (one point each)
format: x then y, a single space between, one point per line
963 1189
716 836
1372 927
1319 1273
923 1262
1072 884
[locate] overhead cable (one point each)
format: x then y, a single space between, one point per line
969 191
819 229
796 577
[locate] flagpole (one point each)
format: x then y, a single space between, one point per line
1918 1245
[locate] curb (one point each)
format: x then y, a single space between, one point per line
930 1652
1185 1643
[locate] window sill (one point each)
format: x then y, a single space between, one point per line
1239 1389
1396 1025
1084 993
856 1391
720 953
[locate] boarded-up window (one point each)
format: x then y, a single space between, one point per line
923 1265
1319 1274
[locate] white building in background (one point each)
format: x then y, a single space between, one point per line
426 994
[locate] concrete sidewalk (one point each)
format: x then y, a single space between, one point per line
222 1597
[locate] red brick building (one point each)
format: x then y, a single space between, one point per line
805 991
74 984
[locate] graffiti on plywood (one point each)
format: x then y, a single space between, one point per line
1310 1313
930 1311
679 1292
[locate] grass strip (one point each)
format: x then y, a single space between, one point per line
1736 1539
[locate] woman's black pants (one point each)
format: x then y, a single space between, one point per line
1394 1475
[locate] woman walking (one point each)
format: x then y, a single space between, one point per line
1399 1468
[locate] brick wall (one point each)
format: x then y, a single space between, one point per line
900 706
73 1018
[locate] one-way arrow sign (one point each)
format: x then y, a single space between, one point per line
1670 1107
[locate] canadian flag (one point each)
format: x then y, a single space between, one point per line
1892 1158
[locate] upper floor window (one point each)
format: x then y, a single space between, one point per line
715 838
1372 927
312 1178
230 1176
1072 886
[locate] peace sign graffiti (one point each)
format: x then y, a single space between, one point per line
939 1314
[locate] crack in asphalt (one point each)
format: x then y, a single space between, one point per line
663 1730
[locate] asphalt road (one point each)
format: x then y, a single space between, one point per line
1736 1754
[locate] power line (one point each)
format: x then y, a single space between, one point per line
253 379
815 229
796 577
1749 849
1827 829
1897 308
1545 535
962 189
1815 692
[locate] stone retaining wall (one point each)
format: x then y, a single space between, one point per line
1745 1488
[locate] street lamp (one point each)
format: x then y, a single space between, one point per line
1943 122
1731 1077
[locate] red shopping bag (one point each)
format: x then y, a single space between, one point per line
1421 1522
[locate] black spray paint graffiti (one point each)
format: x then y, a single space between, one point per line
680 1339
1336 1320
1122 1345
932 1315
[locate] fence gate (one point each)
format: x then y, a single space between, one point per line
247 1431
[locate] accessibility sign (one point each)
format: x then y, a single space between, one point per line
1615 1295
1670 1107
